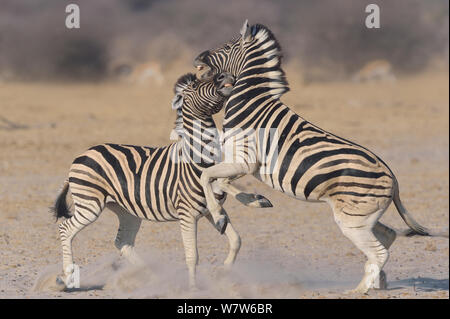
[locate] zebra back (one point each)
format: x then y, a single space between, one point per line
154 182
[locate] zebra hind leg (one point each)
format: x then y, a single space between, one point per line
84 215
386 236
360 230
126 235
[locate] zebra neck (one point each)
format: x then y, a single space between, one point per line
200 141
261 78
251 101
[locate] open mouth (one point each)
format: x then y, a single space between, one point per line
227 86
226 83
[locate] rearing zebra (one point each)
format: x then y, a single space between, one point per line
303 161
153 183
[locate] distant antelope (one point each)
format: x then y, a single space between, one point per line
141 73
375 70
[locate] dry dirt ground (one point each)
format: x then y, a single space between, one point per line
293 250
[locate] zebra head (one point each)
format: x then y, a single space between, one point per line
256 46
200 99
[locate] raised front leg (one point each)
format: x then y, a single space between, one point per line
221 170
248 199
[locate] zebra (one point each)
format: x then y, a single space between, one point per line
304 161
158 184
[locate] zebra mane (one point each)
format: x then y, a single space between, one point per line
182 83
177 131
262 33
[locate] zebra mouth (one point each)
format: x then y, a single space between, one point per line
226 88
225 82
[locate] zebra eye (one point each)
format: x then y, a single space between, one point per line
194 86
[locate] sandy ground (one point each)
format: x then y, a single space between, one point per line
293 250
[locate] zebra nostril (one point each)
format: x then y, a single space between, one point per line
221 77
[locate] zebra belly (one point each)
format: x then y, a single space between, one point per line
270 180
147 213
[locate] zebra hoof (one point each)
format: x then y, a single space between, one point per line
263 202
60 285
253 200
60 281
381 282
49 282
221 225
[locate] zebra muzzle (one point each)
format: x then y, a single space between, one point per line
225 82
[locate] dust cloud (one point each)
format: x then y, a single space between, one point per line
165 276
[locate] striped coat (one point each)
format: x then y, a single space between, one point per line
152 183
265 138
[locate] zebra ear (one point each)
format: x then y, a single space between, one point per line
245 30
177 101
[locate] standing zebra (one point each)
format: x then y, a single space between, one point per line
153 183
304 161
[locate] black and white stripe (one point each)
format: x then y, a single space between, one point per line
152 183
303 161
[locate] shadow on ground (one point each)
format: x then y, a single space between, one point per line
421 284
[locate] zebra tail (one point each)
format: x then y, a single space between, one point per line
61 208
415 227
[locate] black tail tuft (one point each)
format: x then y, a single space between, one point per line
415 227
60 208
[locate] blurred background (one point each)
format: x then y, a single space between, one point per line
326 40
65 90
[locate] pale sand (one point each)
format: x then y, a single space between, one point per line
293 250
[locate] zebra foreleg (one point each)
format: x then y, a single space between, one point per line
221 170
248 199
188 224
126 235
234 241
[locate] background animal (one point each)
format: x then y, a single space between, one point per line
375 71
138 73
